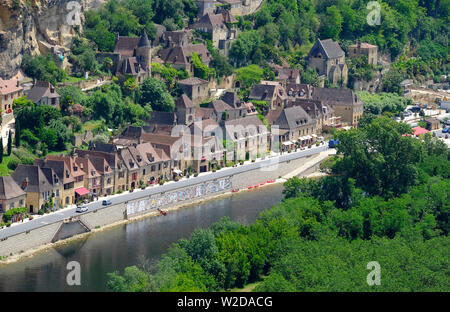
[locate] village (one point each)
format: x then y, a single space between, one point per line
210 127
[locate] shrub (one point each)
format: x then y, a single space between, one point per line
13 163
196 174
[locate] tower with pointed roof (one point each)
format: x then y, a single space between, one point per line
144 52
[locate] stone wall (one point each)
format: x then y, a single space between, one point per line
27 241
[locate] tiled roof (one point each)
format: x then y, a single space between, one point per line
8 86
125 45
193 81
9 188
179 55
329 47
184 101
40 90
232 99
293 117
37 180
220 106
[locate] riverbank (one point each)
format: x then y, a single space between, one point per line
312 162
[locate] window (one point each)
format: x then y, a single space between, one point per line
1 207
11 206
143 172
20 203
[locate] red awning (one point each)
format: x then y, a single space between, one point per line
82 191
419 130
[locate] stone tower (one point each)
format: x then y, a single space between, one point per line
144 53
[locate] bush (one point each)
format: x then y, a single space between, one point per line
13 163
196 174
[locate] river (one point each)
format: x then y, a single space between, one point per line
118 247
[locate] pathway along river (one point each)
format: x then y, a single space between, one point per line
119 247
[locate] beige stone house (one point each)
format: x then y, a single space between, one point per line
9 91
11 195
271 92
328 59
195 88
364 48
40 185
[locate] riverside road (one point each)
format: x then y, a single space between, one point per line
63 214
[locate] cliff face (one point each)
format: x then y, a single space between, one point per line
23 23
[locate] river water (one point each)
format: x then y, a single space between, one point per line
120 246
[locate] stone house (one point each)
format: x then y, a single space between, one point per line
64 174
271 92
181 57
109 152
195 88
11 195
294 125
248 136
92 178
287 76
232 99
9 91
76 172
328 59
40 185
135 57
344 102
176 38
185 110
432 124
206 6
364 48
43 93
218 28
236 6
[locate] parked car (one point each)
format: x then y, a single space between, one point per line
415 109
445 130
82 208
333 143
106 203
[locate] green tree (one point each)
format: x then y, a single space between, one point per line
9 143
154 92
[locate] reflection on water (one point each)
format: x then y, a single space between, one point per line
119 247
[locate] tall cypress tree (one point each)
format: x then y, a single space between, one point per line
17 139
1 150
9 143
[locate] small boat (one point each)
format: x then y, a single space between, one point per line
162 212
234 190
250 187
264 183
255 186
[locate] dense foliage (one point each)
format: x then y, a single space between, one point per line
42 68
378 103
131 17
323 234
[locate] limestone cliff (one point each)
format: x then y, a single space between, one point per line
25 22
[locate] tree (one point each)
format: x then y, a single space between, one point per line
382 161
154 92
332 23
18 133
391 82
1 150
9 143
